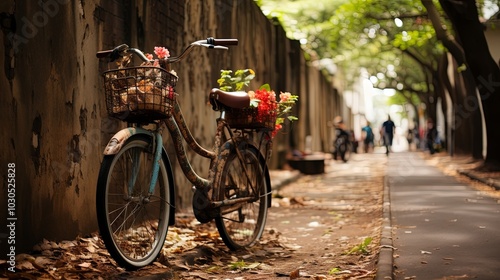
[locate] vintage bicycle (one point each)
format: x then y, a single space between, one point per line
135 197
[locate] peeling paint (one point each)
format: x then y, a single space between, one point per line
36 142
75 154
83 120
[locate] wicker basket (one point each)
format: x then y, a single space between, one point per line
248 118
139 94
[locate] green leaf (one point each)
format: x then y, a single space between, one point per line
334 270
237 265
237 81
254 103
461 68
362 248
266 87
242 265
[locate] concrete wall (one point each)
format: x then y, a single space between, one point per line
52 107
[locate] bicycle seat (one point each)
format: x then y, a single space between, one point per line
234 99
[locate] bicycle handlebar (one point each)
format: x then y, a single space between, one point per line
210 43
222 42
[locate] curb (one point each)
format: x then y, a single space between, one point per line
488 181
385 259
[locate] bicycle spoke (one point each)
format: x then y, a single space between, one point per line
132 222
241 224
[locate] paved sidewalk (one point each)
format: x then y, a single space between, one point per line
441 229
280 178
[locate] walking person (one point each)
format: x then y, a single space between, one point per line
367 137
387 132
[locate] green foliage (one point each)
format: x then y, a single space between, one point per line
388 38
240 265
237 265
238 81
300 19
362 248
266 87
461 68
334 270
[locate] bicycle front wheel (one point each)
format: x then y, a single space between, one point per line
241 224
133 222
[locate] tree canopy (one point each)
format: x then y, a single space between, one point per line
392 39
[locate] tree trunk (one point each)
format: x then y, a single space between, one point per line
465 93
465 19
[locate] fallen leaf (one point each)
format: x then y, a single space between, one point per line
295 274
85 265
43 261
297 200
252 265
313 224
24 265
91 248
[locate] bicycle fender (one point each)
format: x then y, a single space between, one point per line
117 141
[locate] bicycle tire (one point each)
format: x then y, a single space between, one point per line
243 226
132 227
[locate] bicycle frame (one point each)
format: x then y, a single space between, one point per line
179 131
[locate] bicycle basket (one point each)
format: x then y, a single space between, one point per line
139 94
248 118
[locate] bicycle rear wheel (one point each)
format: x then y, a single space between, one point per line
241 225
133 223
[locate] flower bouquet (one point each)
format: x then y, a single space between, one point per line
265 111
141 93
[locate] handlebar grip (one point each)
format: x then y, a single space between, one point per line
102 54
225 42
114 53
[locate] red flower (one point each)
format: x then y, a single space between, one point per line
266 110
277 128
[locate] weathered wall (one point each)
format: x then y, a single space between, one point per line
53 112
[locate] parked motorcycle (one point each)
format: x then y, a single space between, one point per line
342 145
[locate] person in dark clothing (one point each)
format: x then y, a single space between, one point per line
367 137
341 143
431 135
387 132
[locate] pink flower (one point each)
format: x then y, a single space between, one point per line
149 56
284 96
162 52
